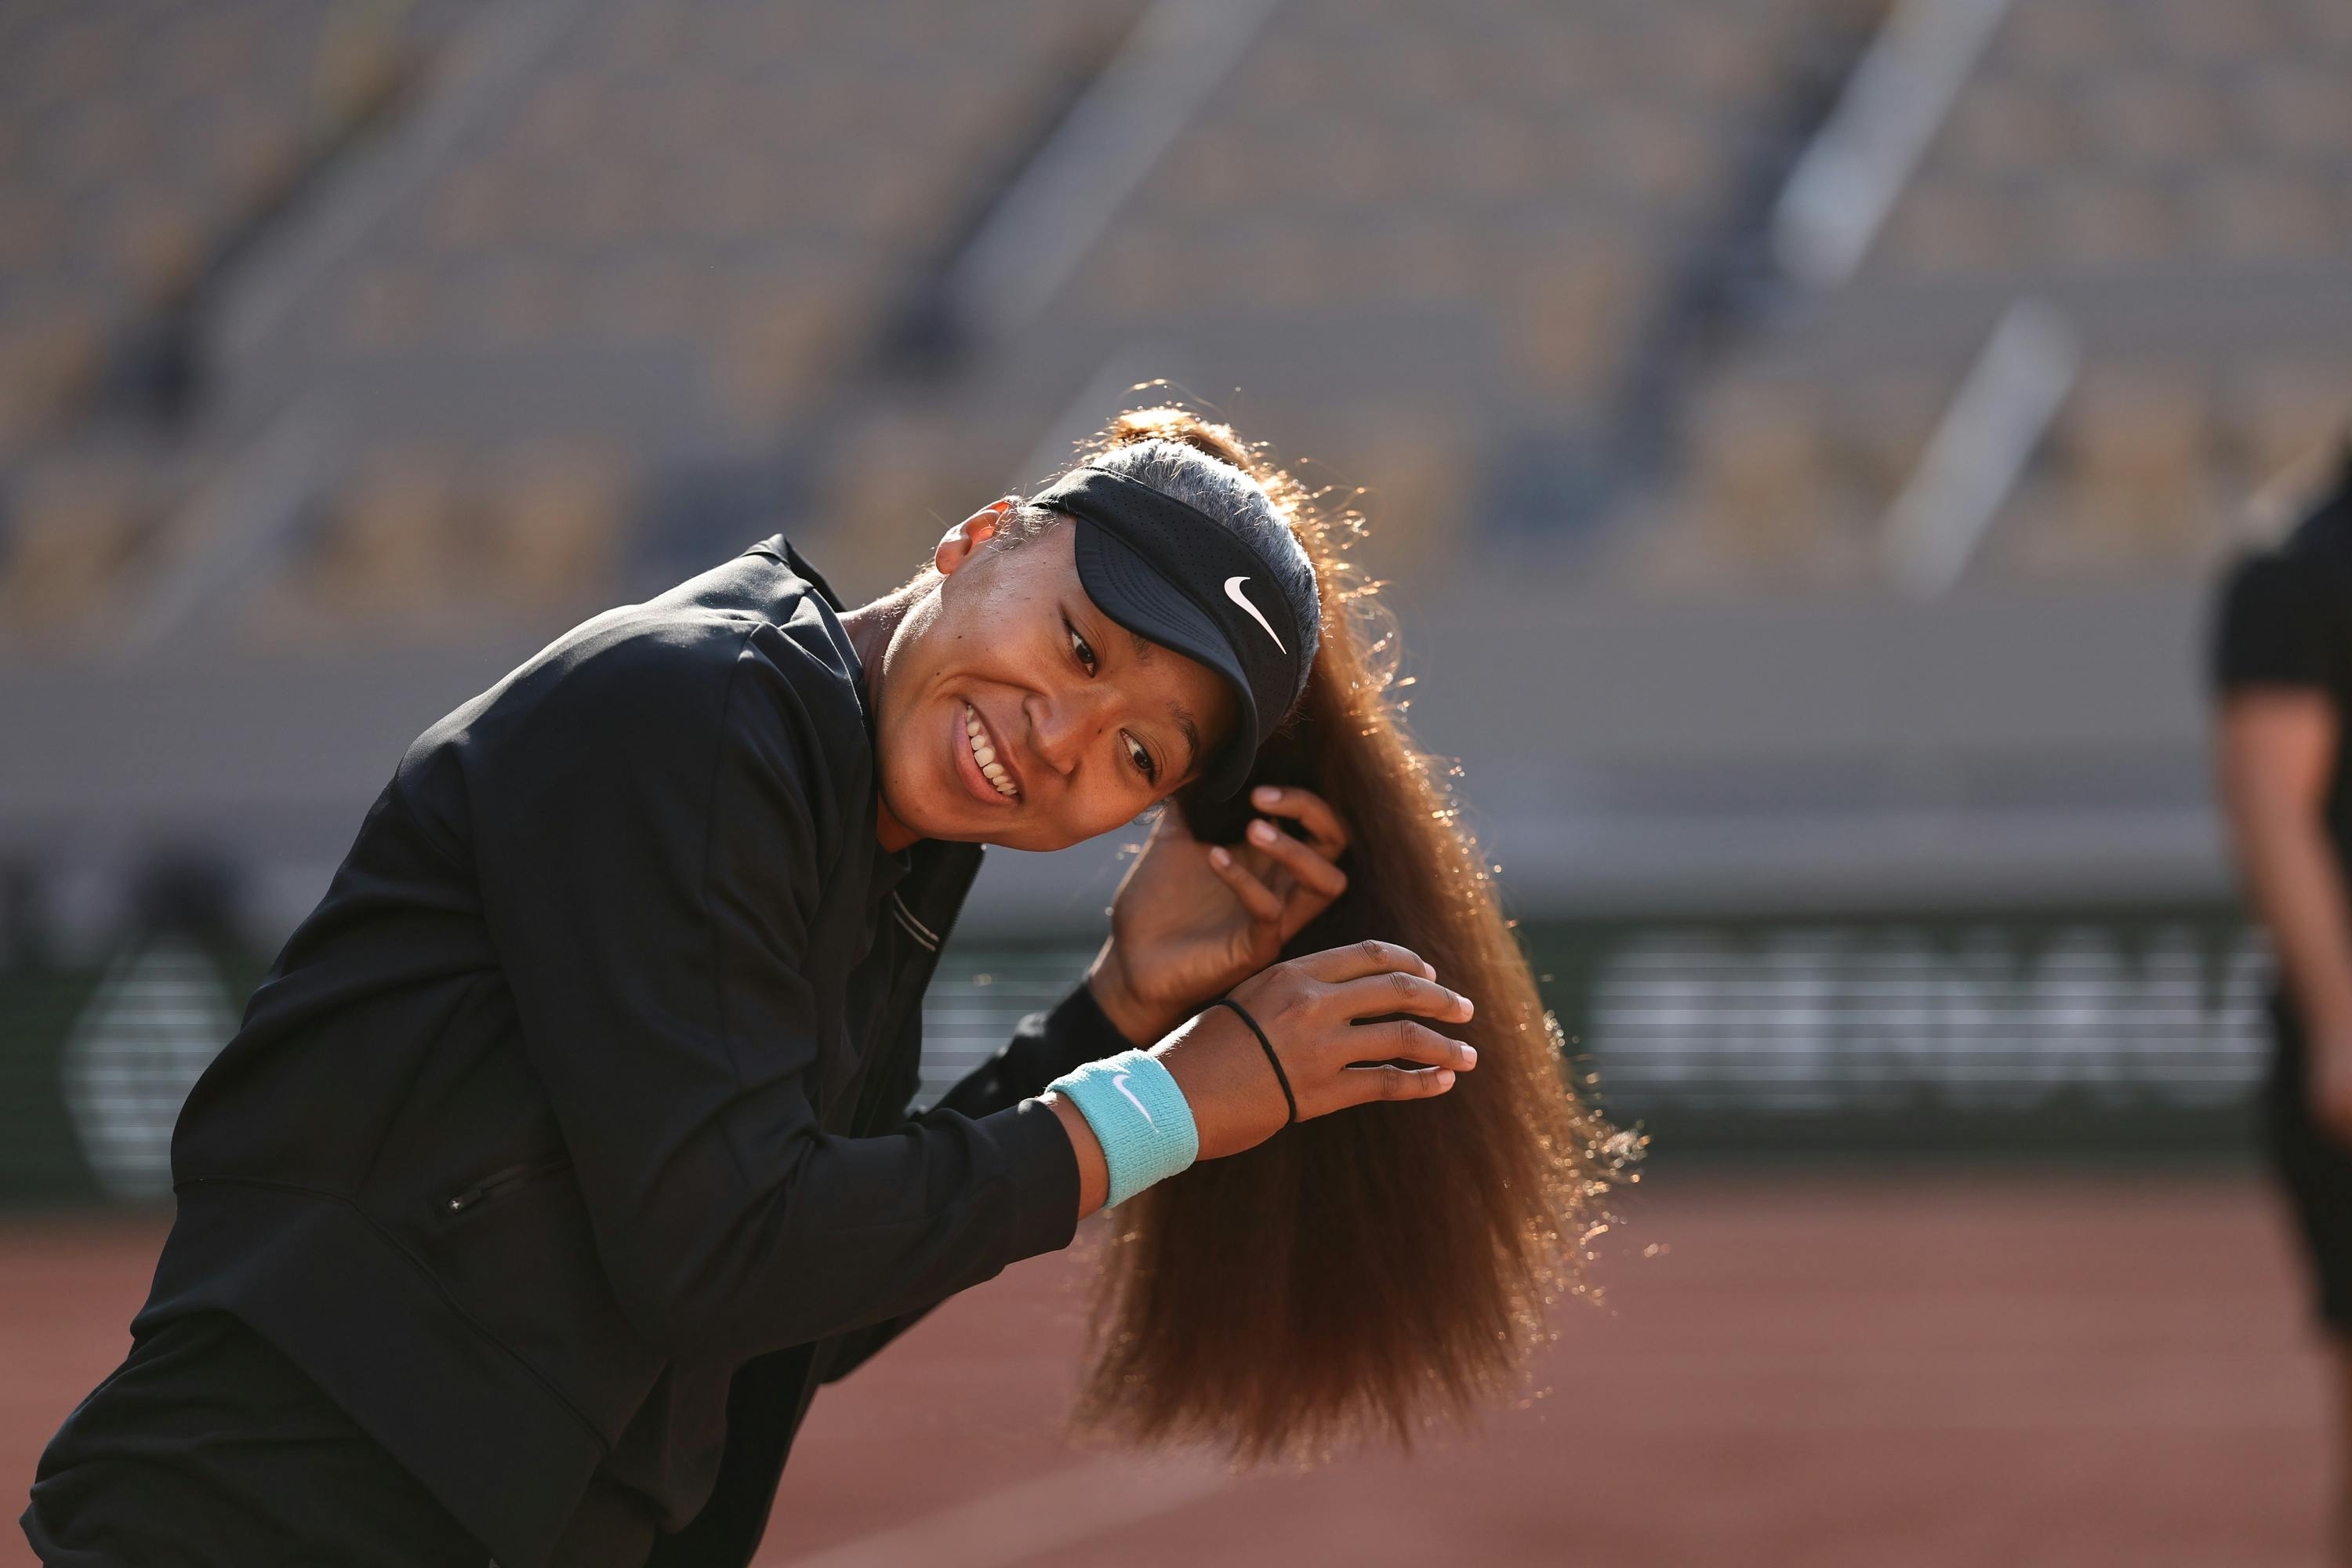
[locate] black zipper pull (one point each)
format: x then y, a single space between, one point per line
499 1179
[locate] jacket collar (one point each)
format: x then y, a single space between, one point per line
935 874
781 548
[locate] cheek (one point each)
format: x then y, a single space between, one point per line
1101 811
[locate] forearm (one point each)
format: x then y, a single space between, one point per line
2298 893
832 1233
2276 755
982 1087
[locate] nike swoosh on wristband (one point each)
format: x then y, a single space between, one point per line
1120 1083
1233 591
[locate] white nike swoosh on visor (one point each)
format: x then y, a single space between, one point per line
1233 591
1120 1083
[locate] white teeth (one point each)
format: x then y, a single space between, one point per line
984 755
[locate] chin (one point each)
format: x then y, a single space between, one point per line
1031 838
1027 840
954 822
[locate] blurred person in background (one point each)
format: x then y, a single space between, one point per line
2283 671
564 1154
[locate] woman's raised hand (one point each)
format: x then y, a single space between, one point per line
1308 1008
1192 920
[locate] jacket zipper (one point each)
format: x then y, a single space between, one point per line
497 1181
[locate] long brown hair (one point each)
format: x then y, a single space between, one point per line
1366 1274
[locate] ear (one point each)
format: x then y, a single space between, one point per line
960 543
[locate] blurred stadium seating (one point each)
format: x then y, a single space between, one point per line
2175 179
143 145
1427 247
593 241
1489 262
141 148
1798 493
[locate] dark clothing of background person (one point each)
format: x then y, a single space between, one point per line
2287 620
566 1140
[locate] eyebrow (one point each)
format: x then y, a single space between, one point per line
1144 650
1191 735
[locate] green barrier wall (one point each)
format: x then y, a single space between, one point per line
2094 1032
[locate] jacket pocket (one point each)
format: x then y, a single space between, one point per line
498 1182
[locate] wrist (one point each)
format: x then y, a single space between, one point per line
1139 1021
1235 1104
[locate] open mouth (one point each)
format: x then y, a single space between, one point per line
986 773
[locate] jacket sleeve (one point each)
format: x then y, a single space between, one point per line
1043 1047
650 825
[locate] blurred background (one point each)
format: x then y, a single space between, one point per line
1799 437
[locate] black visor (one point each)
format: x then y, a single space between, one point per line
1171 573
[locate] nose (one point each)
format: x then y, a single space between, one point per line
1063 724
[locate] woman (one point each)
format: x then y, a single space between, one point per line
562 1154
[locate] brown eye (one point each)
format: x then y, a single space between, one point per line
1141 759
1079 646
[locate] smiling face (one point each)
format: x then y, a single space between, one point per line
1011 710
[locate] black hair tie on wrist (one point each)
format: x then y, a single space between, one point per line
1274 1061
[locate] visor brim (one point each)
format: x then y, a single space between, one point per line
1132 592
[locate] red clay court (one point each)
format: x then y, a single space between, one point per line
1819 1370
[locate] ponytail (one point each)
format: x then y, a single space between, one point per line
1364 1275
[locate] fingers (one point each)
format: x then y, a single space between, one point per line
1262 901
1327 834
1443 1061
1400 992
1334 966
1398 1083
1303 860
1307 1007
1402 1040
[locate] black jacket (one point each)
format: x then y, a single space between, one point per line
568 1136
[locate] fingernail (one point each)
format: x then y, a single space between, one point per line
1428 970
1469 1008
1469 1055
1446 1078
1265 794
1262 831
1220 858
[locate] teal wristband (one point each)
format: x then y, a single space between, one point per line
1138 1116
